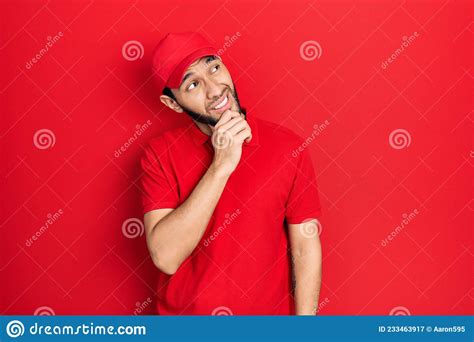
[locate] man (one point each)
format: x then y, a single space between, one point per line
230 201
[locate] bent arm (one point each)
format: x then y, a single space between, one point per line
173 234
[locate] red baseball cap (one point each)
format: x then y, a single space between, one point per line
174 53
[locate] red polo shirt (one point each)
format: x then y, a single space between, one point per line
241 266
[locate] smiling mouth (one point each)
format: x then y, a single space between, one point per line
223 103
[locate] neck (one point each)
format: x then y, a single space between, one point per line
203 127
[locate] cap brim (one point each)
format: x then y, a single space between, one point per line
176 76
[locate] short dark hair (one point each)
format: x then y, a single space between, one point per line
167 91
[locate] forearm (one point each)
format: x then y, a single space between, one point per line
307 279
174 237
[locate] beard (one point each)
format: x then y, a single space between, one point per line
207 118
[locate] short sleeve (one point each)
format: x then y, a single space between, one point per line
303 201
157 189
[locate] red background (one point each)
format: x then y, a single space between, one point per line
92 98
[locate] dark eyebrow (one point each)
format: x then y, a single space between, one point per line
209 59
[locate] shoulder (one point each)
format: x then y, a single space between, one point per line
158 150
165 140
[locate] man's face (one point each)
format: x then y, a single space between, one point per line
207 91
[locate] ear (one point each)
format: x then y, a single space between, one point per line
170 103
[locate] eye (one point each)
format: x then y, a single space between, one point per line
215 68
192 85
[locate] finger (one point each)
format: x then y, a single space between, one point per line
249 138
243 135
232 122
238 127
228 114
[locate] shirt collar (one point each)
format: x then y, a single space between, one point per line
199 137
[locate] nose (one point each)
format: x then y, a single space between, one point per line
213 90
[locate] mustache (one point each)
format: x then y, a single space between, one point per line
208 119
216 99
